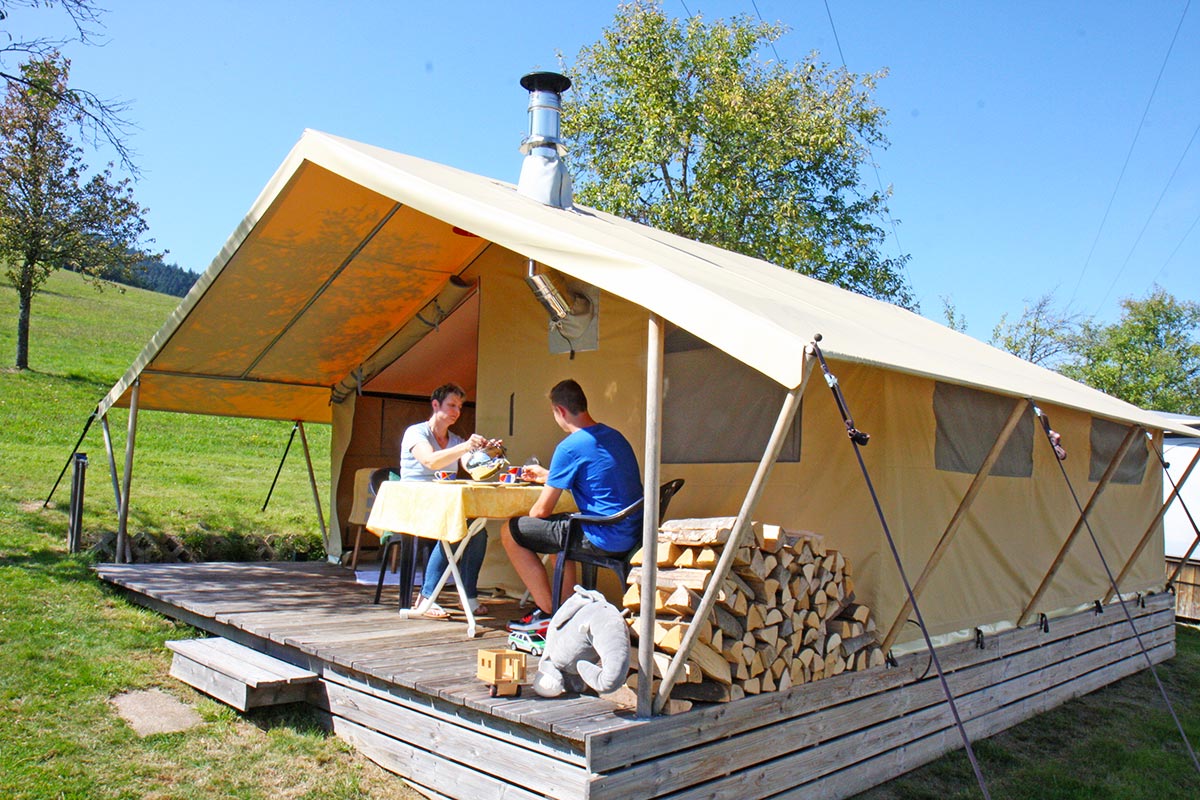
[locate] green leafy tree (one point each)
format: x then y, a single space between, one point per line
682 126
52 215
1150 357
1043 334
955 320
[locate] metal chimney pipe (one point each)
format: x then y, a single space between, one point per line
544 176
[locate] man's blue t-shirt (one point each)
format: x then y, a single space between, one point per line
597 466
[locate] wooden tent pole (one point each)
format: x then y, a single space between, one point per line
654 381
1195 542
112 461
791 404
312 480
1117 458
1137 551
955 521
123 550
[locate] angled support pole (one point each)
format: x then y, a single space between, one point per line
124 553
112 460
1134 432
74 450
791 404
312 480
960 514
654 380
1137 551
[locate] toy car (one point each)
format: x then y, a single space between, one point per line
532 643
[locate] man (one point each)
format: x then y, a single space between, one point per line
596 464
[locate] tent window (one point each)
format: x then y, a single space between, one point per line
969 422
717 410
1105 439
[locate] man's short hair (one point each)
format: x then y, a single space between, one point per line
445 390
570 396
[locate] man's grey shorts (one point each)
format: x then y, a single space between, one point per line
549 535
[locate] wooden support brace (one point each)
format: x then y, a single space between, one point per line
741 528
1195 542
1137 551
312 480
960 514
1134 432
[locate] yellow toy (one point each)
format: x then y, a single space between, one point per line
503 671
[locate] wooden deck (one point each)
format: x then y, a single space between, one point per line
404 692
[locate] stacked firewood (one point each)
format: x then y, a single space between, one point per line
785 615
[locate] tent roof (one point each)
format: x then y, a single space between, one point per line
348 243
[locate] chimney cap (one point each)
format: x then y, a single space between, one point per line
546 82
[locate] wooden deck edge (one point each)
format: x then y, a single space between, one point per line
631 744
437 709
893 763
445 757
807 746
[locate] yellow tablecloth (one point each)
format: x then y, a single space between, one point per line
440 509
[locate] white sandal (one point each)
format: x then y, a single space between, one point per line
435 612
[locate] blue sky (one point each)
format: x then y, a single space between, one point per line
1009 123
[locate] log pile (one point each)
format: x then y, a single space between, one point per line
785 615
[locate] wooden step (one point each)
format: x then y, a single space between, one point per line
237 675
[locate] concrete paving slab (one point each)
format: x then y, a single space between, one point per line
154 711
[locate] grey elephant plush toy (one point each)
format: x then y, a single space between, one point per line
587 646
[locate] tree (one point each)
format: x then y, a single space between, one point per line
681 126
1043 334
1150 357
97 119
51 214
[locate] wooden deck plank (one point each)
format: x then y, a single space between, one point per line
626 745
316 616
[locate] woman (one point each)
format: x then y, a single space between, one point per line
430 447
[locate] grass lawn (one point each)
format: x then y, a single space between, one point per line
68 644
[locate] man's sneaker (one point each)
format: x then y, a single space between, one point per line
536 621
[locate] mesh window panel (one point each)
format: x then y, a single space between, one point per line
717 410
1106 437
969 422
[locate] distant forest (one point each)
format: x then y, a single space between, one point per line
153 274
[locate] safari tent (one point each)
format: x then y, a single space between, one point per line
361 279
364 270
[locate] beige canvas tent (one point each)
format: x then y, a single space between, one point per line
359 269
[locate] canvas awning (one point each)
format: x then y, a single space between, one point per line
349 243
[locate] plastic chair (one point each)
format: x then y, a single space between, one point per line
377 477
590 560
403 550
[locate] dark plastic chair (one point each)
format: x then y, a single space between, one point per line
402 548
377 477
589 560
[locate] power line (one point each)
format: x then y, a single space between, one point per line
1157 202
875 167
1128 155
1195 222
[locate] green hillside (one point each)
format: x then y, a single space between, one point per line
194 477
